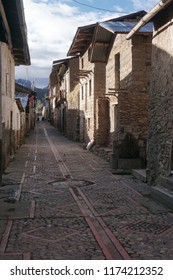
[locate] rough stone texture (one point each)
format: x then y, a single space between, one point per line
8 103
161 99
92 79
102 109
46 222
6 149
72 122
129 105
87 101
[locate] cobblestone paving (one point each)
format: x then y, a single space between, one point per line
59 238
60 201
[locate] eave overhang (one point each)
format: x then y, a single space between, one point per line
59 67
19 105
82 40
84 35
14 31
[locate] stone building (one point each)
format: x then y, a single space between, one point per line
26 101
160 136
64 96
54 89
114 82
19 134
92 83
13 51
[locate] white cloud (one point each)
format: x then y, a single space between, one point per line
118 9
51 27
144 5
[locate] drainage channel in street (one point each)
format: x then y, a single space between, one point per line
111 247
109 244
67 183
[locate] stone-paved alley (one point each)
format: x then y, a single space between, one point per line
62 202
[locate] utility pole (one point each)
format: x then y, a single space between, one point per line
0 117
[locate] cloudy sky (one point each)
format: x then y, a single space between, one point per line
52 24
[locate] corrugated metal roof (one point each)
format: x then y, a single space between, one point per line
84 34
105 34
23 98
125 27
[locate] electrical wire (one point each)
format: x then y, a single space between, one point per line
86 5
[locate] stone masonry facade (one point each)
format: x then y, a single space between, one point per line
107 92
92 88
72 122
128 73
161 99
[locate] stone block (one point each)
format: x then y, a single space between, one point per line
114 161
128 163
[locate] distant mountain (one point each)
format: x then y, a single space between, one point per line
41 92
24 83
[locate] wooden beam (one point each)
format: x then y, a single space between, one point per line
85 34
101 43
82 39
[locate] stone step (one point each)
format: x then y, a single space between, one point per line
139 174
129 163
167 182
164 195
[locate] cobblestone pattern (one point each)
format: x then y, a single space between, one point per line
59 238
53 226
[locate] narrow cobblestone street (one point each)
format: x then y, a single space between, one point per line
62 202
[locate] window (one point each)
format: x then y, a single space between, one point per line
82 95
82 63
117 71
86 89
89 123
89 52
7 84
90 87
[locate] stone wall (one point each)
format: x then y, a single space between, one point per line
55 118
8 103
22 128
101 102
122 47
6 146
130 92
118 77
87 99
161 99
72 118
102 113
92 87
